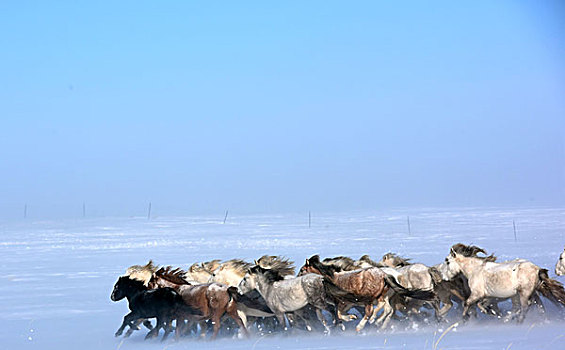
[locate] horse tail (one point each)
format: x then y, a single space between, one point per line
550 288
420 294
254 300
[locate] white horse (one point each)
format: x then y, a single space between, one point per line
517 279
560 266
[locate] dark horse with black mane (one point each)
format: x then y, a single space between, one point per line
165 304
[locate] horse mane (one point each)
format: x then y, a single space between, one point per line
397 260
132 281
471 251
270 274
211 265
343 263
237 265
198 267
367 259
325 269
142 273
172 275
281 264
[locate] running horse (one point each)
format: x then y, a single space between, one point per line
367 286
212 300
517 279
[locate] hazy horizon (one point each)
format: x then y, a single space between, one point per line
270 108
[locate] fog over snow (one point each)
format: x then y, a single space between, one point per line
57 276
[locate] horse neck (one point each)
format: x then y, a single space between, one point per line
263 286
132 292
325 270
469 265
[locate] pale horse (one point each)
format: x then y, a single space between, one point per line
517 280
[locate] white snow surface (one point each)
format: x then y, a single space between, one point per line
56 276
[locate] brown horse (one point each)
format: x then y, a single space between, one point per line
368 285
213 300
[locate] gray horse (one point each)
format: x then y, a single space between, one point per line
287 295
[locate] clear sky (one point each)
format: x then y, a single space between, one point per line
280 106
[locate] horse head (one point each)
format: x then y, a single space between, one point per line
249 281
126 287
451 265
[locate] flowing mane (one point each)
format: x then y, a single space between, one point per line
141 273
172 275
397 261
342 263
237 265
196 267
367 259
324 268
281 264
472 251
211 265
270 274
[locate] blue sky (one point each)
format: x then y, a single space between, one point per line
272 107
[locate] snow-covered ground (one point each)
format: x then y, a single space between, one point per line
56 276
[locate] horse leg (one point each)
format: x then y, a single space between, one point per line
524 305
216 324
203 329
282 322
191 327
147 324
243 318
471 301
180 327
322 319
235 315
437 313
537 300
342 309
445 298
339 318
155 331
168 328
302 315
367 314
136 328
128 319
388 312
380 305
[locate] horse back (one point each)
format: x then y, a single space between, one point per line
364 282
510 276
151 303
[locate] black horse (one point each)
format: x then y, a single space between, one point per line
164 303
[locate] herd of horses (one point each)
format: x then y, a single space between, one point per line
267 294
